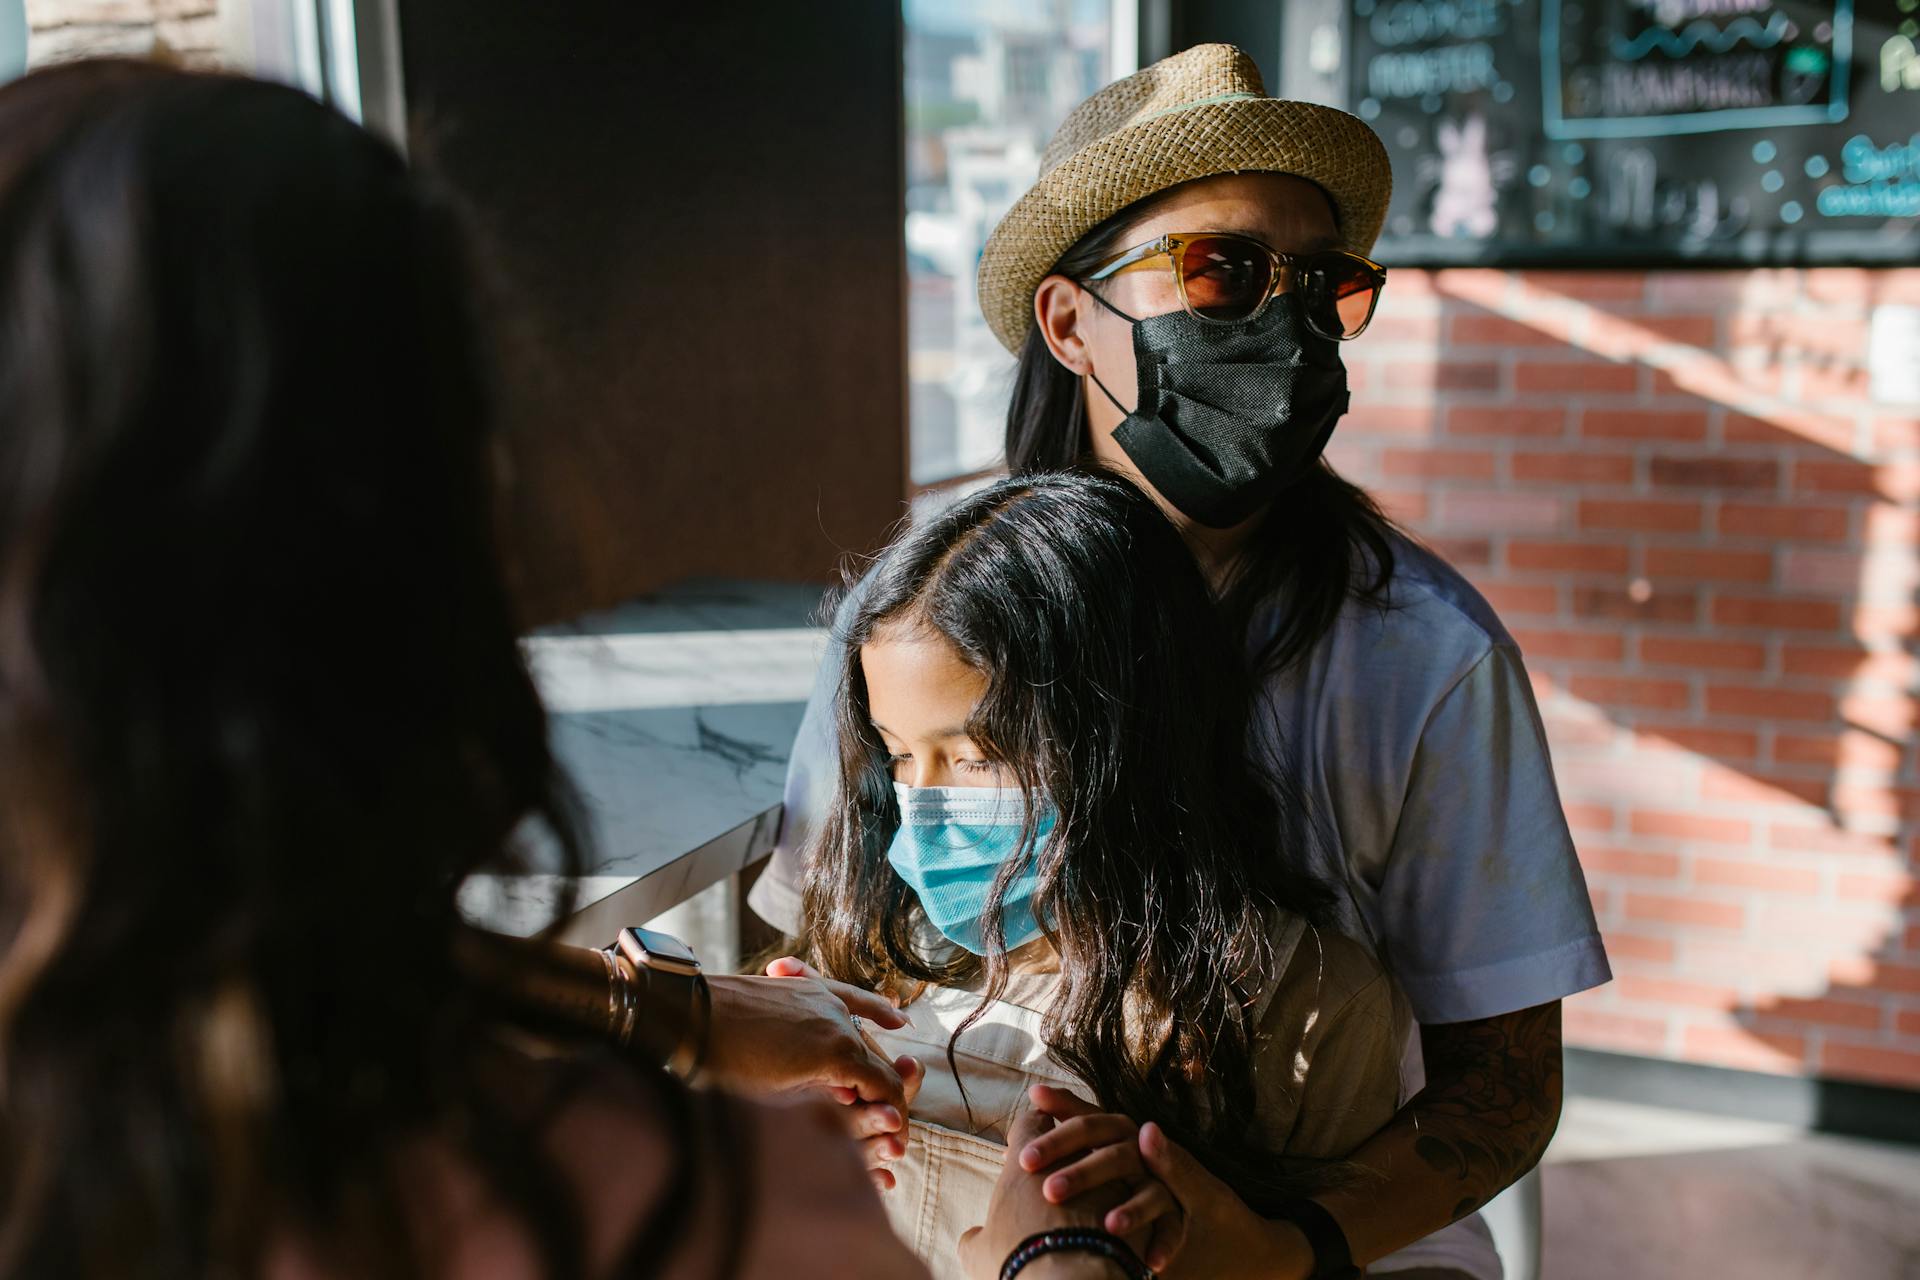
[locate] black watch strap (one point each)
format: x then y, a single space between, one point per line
1332 1258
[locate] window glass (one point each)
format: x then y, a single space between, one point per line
988 81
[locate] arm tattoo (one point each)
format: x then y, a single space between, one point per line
1492 1099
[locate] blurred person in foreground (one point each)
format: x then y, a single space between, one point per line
262 710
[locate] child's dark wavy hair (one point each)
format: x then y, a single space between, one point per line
1115 688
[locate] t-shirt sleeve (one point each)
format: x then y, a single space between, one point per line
1483 907
811 770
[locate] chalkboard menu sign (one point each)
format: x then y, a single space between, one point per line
1563 131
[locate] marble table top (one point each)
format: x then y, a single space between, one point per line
674 715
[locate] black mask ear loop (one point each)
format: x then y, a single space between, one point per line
1088 290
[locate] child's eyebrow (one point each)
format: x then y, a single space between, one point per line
939 735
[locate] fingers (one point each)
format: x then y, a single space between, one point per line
882 1150
882 1179
1070 1137
790 967
1117 1163
872 1078
1168 1161
1060 1103
1027 1126
912 1076
872 1119
860 1002
1145 1206
1169 1237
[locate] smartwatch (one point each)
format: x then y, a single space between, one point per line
673 978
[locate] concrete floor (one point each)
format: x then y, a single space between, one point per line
1642 1193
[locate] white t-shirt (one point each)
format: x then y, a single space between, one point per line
1414 736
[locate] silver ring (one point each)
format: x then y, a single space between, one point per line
856 1024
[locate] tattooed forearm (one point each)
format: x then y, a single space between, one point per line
1491 1102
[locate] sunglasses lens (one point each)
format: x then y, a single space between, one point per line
1226 278
1340 294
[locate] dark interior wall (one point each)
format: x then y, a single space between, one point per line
695 215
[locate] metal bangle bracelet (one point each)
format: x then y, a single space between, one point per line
623 1000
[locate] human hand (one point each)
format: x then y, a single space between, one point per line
1019 1208
1219 1236
779 1034
1087 1149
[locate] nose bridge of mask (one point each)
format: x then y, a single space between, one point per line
984 821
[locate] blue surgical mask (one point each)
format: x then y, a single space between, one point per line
950 847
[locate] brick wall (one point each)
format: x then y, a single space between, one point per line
1706 538
187 31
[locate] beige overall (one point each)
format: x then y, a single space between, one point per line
1327 1077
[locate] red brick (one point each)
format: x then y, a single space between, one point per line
1512 598
1741 291
1690 826
1629 691
1686 911
1448 375
1894 889
1499 331
1788 921
1685 651
1573 468
1861 1062
1851 750
1894 527
1611 335
1437 464
1589 817
1709 566
1799 839
1895 717
1652 517
1744 1049
1776 704
1832 382
1894 481
1603 1029
1728 873
1502 420
1764 520
1591 376
1643 424
1463 551
1402 506
1875 974
1854 1014
1776 613
1618 602
1850 286
1630 862
1503 510
1634 946
1744 787
1669 991
1721 744
1583 286
1907 1022
1894 434
1901 285
1877 800
1568 557
1405 326
1693 472
1369 418
1571 646
1759 968
1843 572
1896 623
1569 733
1837 661
1794 429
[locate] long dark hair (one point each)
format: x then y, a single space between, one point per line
1325 543
1114 689
262 707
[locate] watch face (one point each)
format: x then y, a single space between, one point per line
664 950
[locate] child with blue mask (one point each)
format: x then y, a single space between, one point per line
1050 844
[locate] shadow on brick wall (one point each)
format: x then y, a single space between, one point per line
1705 536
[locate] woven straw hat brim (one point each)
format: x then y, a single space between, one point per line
1247 135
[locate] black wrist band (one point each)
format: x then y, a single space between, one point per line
1332 1256
1075 1240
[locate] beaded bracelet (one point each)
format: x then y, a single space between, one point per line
1076 1240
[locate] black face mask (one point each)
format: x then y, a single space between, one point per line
1229 414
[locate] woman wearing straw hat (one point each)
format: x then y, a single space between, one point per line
1176 287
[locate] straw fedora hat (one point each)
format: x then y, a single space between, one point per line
1196 114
